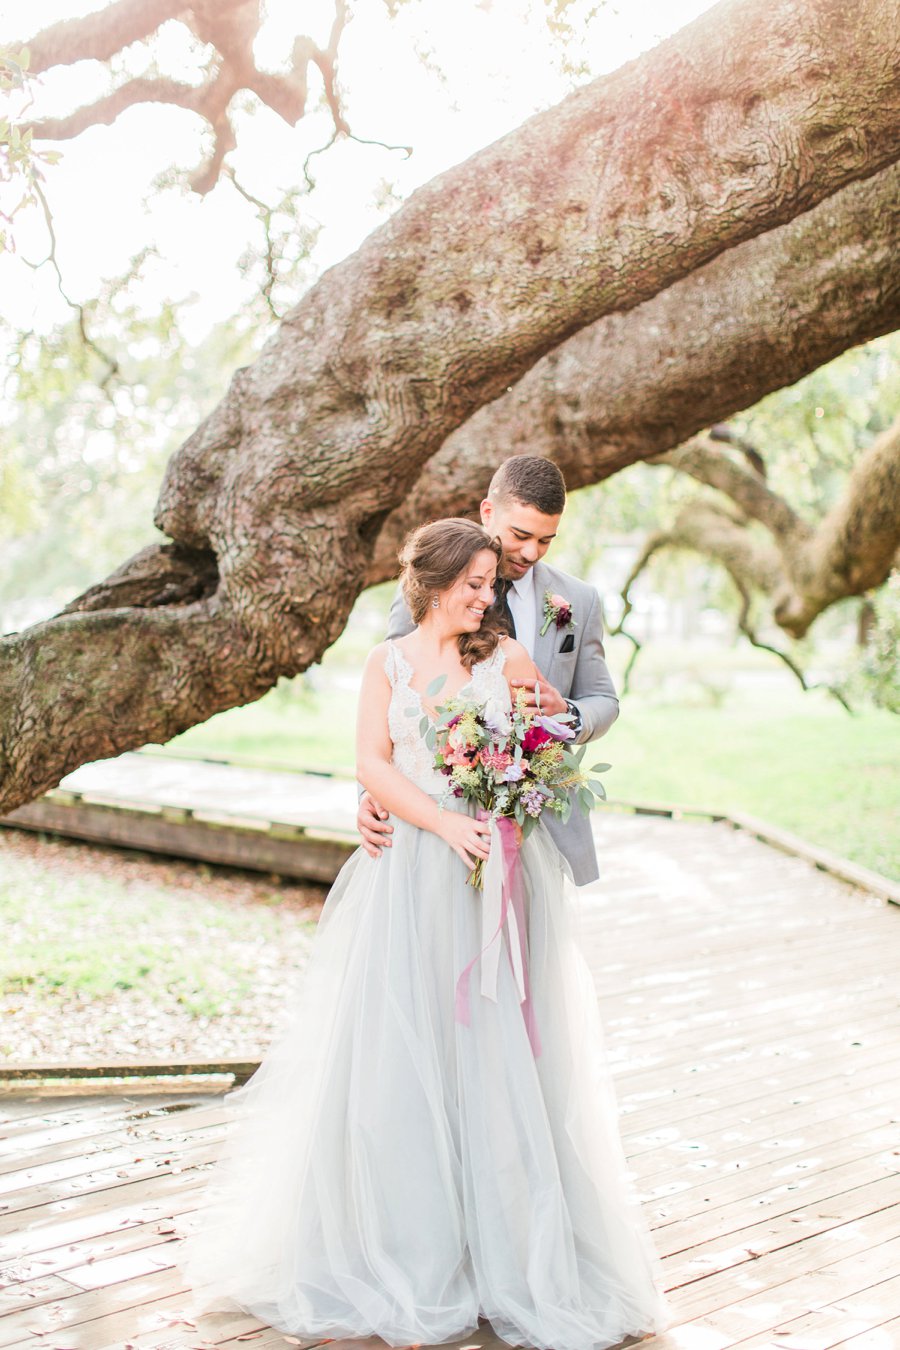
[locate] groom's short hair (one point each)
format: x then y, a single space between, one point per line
532 481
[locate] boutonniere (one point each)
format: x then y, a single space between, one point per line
558 610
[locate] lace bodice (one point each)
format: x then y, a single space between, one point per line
411 755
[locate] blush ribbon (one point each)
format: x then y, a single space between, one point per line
503 906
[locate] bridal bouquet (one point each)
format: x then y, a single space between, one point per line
515 763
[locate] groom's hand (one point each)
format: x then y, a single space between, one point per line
372 823
551 700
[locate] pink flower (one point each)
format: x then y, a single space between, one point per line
534 738
498 760
457 754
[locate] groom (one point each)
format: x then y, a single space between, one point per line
523 507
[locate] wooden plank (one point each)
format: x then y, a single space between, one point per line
240 1069
853 873
795 1128
785 1282
834 1324
732 1108
678 1226
885 1336
48 1242
78 1137
314 856
708 1257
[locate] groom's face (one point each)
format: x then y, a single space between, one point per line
525 533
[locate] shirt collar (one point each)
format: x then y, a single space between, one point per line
524 586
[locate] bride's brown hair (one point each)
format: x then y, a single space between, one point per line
436 555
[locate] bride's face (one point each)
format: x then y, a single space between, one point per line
464 602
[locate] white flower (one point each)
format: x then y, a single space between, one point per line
496 717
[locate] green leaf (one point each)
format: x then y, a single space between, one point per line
520 813
597 788
600 768
436 686
528 826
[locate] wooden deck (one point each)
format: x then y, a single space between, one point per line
751 1008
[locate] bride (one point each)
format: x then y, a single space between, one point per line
391 1170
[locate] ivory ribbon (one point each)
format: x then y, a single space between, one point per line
503 906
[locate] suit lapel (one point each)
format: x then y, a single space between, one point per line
544 647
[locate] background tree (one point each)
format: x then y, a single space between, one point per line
275 504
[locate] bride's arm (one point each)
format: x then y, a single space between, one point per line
466 836
518 666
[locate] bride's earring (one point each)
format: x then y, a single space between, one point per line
435 602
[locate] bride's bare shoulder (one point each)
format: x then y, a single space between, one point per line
517 665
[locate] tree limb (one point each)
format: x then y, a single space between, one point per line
231 27
856 546
852 550
703 460
759 317
713 531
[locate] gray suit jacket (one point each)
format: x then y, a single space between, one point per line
580 675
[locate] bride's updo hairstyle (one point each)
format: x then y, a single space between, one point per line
433 557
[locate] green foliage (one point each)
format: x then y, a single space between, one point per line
811 433
876 674
84 455
21 165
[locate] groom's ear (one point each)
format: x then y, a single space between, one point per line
487 513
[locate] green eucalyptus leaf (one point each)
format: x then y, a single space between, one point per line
436 686
600 768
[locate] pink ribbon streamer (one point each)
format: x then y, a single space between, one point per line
512 918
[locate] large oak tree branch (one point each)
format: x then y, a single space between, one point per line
759 317
741 121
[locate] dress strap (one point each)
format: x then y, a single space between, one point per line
396 666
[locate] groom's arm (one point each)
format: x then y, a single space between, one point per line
593 691
399 620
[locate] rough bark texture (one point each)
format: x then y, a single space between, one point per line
752 114
758 318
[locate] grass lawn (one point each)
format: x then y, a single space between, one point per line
794 759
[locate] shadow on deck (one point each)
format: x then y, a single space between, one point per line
750 1005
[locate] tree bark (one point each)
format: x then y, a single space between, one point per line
634 385
751 115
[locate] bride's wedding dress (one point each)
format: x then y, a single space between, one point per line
391 1171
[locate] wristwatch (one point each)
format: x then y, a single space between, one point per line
576 723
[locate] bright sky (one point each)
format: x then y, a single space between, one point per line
495 63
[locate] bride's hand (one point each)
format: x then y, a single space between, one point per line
470 839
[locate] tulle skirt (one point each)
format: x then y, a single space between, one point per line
391 1171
